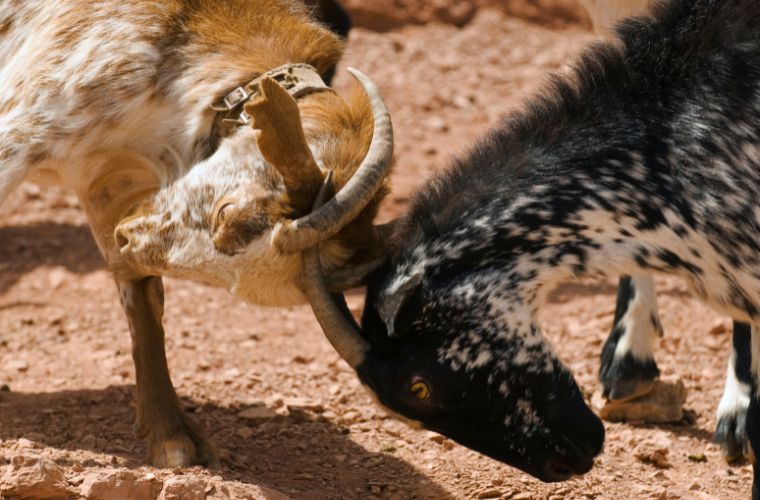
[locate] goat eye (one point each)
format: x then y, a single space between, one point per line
224 212
420 389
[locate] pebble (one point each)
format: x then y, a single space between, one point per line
183 488
522 496
654 453
304 404
245 432
120 484
663 404
17 365
33 477
257 413
490 493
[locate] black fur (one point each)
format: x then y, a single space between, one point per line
647 159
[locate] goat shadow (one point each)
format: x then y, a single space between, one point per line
25 248
299 455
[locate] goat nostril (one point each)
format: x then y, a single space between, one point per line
121 240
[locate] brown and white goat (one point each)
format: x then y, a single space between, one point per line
114 100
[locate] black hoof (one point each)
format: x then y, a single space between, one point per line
627 377
731 435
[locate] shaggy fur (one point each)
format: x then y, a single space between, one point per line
646 159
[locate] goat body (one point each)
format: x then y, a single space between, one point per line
114 100
646 159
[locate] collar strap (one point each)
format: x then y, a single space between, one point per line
298 79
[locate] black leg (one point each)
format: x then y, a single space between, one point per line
628 368
731 432
753 413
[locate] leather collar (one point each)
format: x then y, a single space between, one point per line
298 79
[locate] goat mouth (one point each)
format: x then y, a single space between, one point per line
576 459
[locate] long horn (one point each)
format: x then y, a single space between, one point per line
339 327
320 225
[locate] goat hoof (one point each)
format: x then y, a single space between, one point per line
183 451
626 377
731 435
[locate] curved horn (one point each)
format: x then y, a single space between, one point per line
340 328
310 230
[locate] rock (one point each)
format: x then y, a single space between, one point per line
720 326
663 404
121 484
245 432
257 413
522 496
18 365
654 453
490 493
183 488
304 405
34 477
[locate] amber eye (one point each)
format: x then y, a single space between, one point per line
420 389
224 212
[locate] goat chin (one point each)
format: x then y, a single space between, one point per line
274 280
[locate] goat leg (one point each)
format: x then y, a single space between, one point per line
753 413
173 439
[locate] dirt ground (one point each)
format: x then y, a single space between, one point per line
288 416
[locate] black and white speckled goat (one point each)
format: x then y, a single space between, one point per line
646 159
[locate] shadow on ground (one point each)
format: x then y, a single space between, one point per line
298 454
25 248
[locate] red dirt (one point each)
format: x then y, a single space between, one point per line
287 415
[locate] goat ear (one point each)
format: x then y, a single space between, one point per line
401 299
281 139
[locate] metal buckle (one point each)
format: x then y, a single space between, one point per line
232 100
243 119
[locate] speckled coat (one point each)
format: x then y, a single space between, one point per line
645 159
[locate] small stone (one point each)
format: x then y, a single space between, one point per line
522 496
351 416
663 404
18 365
304 405
435 437
26 443
719 326
257 413
34 477
437 124
653 453
245 432
31 191
490 493
57 277
183 488
120 484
